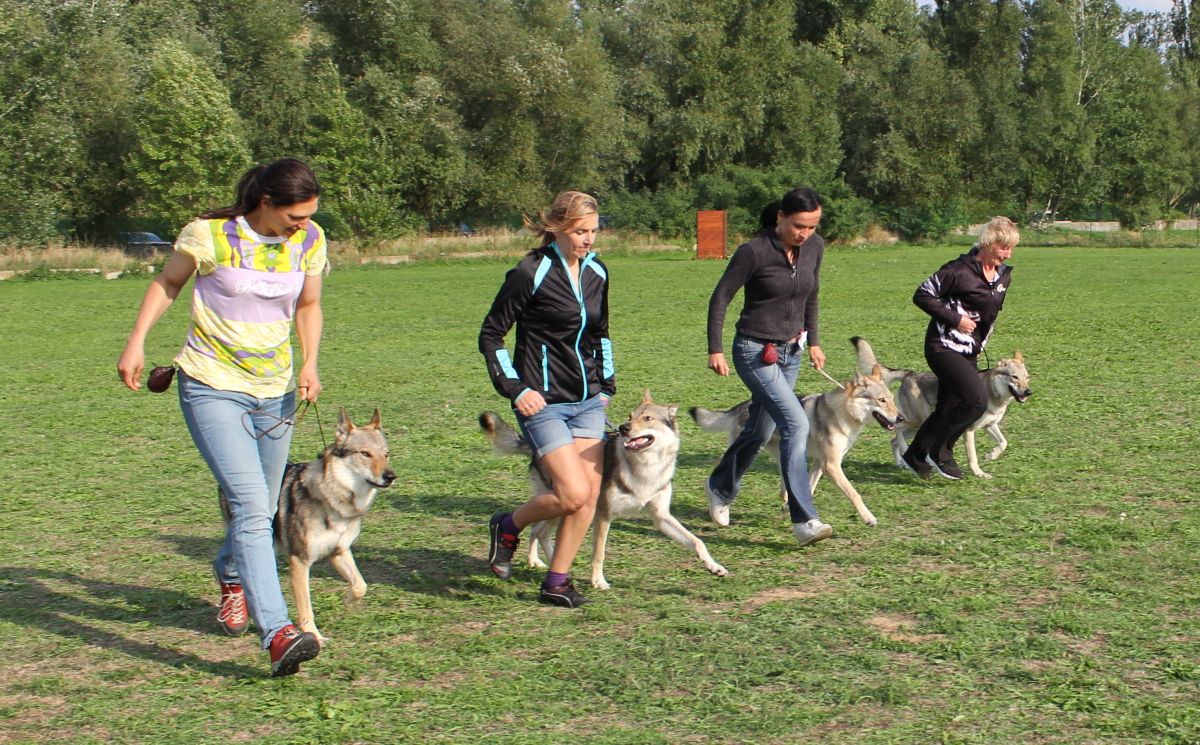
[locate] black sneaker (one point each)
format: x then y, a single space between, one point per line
916 464
947 468
501 548
563 595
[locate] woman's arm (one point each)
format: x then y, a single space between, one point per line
310 321
159 296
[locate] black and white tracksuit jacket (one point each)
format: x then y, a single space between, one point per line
959 288
563 350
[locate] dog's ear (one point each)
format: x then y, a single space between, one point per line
877 372
1019 357
345 426
672 409
375 419
858 381
646 397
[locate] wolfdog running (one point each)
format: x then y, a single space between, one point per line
835 420
639 465
321 507
1008 381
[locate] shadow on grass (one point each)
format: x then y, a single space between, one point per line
430 571
28 598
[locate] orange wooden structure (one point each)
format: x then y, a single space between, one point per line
711 234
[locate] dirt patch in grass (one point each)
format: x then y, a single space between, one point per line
898 627
781 594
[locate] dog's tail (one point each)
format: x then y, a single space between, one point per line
711 420
504 439
867 362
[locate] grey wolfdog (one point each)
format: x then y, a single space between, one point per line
1008 381
321 507
639 465
835 420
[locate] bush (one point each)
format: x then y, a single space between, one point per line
925 221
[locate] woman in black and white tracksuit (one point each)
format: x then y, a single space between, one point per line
962 299
559 380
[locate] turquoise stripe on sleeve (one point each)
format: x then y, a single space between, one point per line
606 352
506 363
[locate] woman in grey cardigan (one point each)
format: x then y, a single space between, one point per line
779 270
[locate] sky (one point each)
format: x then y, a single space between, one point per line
1149 6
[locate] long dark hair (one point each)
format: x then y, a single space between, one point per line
803 199
285 181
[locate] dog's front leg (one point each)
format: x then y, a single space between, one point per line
838 477
1001 442
298 574
599 547
343 562
898 448
540 534
972 456
670 526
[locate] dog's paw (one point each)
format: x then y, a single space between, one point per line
870 520
600 583
536 563
717 569
995 454
982 474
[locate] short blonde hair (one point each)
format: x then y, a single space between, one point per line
999 231
568 207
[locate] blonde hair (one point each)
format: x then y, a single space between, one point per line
568 208
999 231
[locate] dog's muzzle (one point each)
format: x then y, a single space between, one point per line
387 478
1020 395
883 421
638 443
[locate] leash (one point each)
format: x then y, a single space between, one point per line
828 377
292 419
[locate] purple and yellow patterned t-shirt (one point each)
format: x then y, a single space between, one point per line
245 298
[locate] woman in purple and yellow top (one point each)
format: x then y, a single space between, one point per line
258 266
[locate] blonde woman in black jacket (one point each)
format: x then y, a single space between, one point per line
559 380
962 299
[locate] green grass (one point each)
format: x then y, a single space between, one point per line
1056 603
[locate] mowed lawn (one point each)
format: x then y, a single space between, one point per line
1056 603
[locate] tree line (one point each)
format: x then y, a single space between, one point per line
420 114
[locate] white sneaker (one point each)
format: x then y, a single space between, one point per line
812 531
716 506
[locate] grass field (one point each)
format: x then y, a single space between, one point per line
1055 603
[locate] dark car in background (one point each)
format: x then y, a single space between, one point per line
143 244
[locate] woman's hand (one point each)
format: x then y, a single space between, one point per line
717 363
529 403
966 324
817 357
308 383
131 364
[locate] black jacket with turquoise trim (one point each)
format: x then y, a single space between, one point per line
562 350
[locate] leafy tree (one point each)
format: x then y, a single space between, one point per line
906 116
189 148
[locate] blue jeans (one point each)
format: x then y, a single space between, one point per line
773 403
246 448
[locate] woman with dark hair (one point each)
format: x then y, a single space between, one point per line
779 268
559 379
258 266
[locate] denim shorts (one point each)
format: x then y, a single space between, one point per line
562 424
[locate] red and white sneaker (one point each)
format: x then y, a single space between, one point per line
231 613
289 647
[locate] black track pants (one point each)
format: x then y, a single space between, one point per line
961 400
